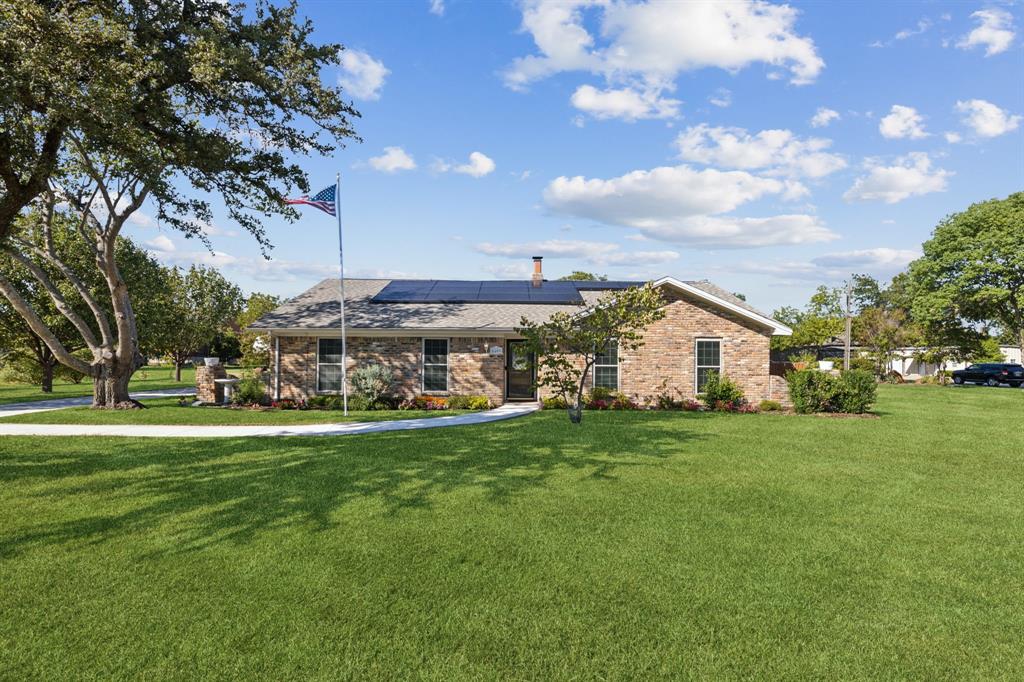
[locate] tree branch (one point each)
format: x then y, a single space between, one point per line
40 329
59 301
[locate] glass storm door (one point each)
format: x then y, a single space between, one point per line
519 372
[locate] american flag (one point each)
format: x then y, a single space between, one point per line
324 200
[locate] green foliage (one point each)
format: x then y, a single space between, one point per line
972 271
555 403
581 276
469 402
721 391
988 351
220 96
373 382
200 304
770 406
812 391
255 348
820 321
859 391
249 391
566 345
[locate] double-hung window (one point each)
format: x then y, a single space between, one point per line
709 359
606 367
328 366
435 365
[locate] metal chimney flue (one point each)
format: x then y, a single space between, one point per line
538 273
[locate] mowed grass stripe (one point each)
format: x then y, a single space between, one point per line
642 545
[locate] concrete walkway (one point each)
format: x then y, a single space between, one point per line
14 409
189 431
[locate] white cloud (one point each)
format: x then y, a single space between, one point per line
778 151
363 75
922 26
437 7
823 116
952 137
680 204
986 119
509 270
722 97
995 31
902 122
478 166
911 175
625 103
869 260
656 41
595 253
645 46
161 243
393 159
883 262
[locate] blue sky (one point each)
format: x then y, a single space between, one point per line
766 147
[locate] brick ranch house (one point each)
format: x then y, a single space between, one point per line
455 337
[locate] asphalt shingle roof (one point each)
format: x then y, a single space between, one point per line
318 308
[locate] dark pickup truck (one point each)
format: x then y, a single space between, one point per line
991 374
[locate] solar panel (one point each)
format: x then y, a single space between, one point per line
490 291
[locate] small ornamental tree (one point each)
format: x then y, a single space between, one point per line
567 344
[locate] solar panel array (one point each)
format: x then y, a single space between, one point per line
496 291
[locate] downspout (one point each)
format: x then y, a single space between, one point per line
277 368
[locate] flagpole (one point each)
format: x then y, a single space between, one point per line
341 291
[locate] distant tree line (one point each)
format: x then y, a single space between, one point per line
959 302
179 312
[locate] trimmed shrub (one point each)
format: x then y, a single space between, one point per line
770 406
722 393
555 403
689 405
812 391
249 391
372 382
469 402
860 391
598 394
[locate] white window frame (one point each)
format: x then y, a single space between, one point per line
618 373
319 390
447 365
697 367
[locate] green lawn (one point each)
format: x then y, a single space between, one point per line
167 411
146 379
639 546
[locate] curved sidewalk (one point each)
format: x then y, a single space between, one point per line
189 431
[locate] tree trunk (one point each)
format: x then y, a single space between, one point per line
110 387
177 371
47 383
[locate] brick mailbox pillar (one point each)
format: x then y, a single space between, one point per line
207 388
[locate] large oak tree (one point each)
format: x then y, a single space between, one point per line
106 106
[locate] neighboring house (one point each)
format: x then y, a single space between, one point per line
906 361
450 337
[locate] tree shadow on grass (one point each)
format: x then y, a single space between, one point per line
229 491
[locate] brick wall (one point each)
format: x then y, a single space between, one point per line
471 369
207 388
665 362
667 358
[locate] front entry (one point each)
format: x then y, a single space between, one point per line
520 372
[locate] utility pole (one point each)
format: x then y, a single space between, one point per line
849 326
